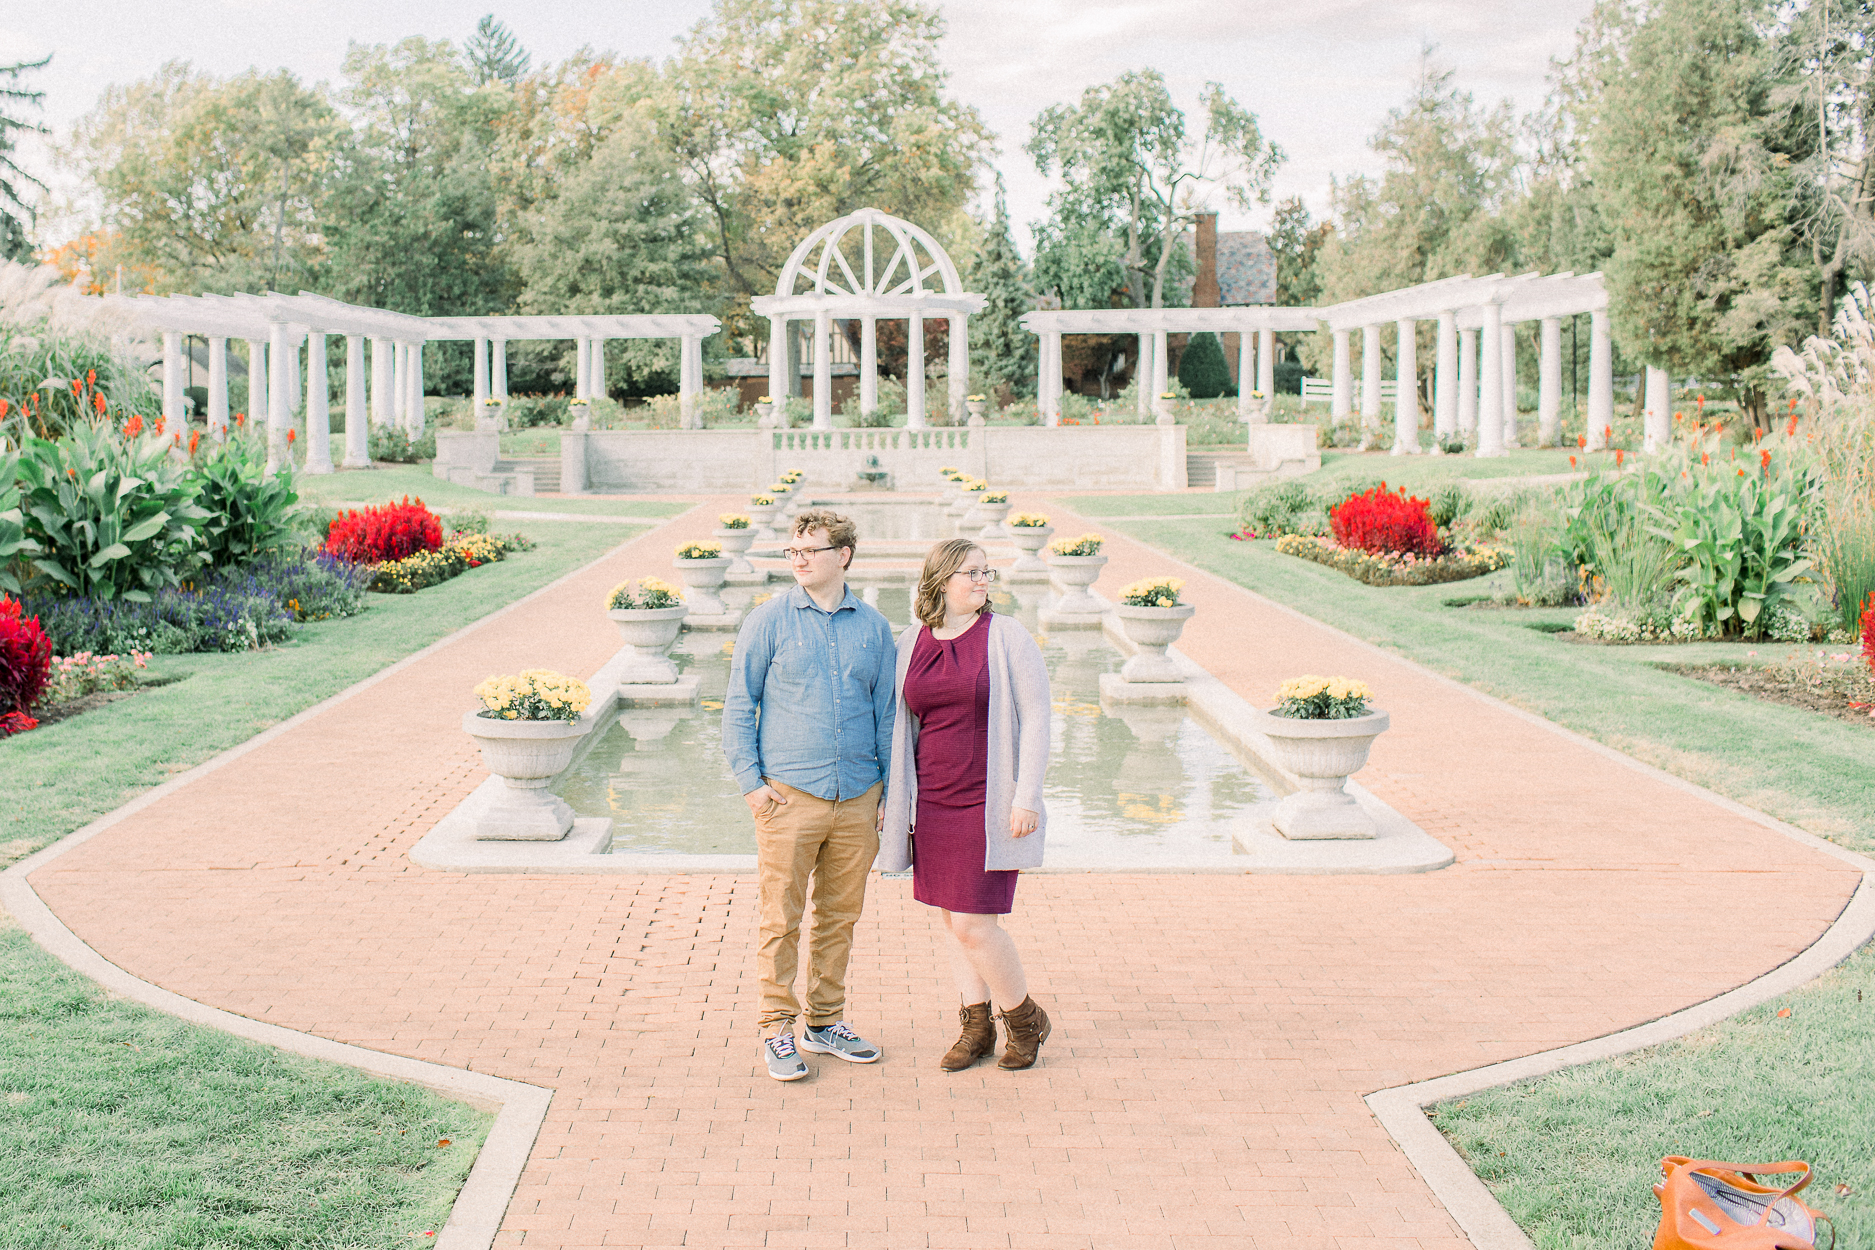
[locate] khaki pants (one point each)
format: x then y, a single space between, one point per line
834 843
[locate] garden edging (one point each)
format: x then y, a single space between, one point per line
475 1217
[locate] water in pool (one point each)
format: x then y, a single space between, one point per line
1127 786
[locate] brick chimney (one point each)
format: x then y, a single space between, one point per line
1204 290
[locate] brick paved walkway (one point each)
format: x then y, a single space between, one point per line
1213 1034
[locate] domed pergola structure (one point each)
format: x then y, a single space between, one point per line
867 265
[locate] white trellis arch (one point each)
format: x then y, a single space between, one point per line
867 265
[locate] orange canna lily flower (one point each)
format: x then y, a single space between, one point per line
1582 442
1572 462
290 435
1618 457
91 377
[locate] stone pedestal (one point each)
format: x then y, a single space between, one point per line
1322 754
527 755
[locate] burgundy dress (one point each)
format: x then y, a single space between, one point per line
947 687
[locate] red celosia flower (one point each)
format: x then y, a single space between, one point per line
1387 523
25 664
1868 632
386 532
16 723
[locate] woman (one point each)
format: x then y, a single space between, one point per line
964 792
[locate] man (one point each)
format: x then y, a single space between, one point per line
807 727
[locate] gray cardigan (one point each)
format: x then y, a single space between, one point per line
1020 710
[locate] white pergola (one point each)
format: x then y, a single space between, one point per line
274 327
1256 328
591 334
1475 372
844 281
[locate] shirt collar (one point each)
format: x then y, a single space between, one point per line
799 598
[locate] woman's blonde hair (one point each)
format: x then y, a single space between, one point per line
939 563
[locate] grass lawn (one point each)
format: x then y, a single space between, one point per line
394 481
1572 1156
123 1127
1416 473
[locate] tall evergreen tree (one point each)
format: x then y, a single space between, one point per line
15 213
1201 369
495 55
1002 353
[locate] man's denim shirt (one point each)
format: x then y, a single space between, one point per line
810 698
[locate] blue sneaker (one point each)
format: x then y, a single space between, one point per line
784 1062
839 1041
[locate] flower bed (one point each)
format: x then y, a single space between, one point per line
1396 568
455 557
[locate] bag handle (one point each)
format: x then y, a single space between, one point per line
1751 1171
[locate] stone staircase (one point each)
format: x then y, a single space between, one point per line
546 471
1201 466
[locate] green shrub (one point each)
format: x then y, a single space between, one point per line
1740 534
389 443
1448 504
114 517
526 412
1201 369
15 547
1287 507
249 510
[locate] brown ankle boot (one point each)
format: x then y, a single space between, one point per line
977 1039
1026 1028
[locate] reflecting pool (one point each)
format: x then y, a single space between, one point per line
1128 786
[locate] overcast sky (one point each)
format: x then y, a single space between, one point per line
1320 76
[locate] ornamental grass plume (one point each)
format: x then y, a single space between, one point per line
1322 698
533 694
643 592
1152 592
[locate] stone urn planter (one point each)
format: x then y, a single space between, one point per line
991 514
1162 407
735 543
649 632
766 418
976 406
1028 540
762 519
1152 630
527 755
1071 576
582 413
1322 754
489 419
702 579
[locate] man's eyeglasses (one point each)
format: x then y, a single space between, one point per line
803 553
976 575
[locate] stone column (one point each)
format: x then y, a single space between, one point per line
1657 430
1491 382
914 373
1549 384
318 406
1161 364
823 369
1142 372
380 381
480 384
959 366
1342 403
689 378
257 405
498 369
1266 361
218 388
778 364
418 418
1406 389
1467 381
1445 381
279 417
1601 411
400 384
582 368
868 365
595 361
294 397
172 379
1370 384
1509 339
793 372
1050 377
1246 370
357 436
